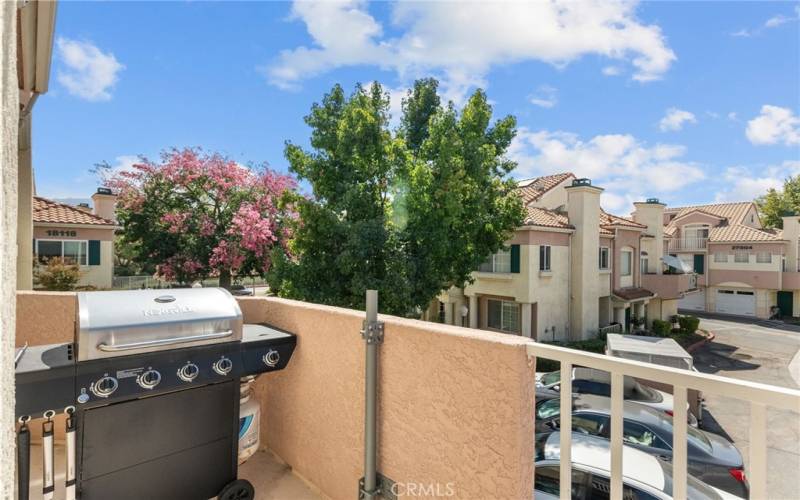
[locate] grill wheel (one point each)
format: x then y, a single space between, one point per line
241 489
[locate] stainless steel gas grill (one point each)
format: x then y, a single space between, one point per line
153 377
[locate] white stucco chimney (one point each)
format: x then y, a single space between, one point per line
651 214
105 204
791 233
583 208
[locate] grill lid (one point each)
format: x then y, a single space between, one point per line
122 323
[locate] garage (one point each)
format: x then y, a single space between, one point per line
693 302
739 302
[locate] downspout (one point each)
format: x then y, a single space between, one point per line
372 333
569 292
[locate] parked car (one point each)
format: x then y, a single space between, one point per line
241 290
598 382
644 477
711 458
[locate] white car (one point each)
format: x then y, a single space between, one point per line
598 382
644 477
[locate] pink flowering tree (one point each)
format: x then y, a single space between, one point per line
196 214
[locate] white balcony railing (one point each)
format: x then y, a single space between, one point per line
759 396
687 244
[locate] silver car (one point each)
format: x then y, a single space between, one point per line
644 477
711 458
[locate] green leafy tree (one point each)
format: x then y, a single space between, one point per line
775 204
409 212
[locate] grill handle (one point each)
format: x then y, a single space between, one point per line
162 342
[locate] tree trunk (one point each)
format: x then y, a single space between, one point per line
225 279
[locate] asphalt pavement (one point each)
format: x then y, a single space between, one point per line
757 351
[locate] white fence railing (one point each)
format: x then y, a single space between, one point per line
613 328
687 244
759 396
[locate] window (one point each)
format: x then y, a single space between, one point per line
589 423
720 257
72 251
640 435
497 263
764 258
544 257
585 485
626 263
591 387
604 258
643 264
441 312
548 409
503 315
741 256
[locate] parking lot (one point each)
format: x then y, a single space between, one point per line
758 352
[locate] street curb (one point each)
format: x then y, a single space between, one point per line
709 336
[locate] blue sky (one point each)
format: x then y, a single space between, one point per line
691 102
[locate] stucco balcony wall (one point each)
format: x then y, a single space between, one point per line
669 286
791 280
456 405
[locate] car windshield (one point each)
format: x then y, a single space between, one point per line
547 409
551 378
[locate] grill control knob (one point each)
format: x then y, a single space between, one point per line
148 379
104 387
223 366
271 358
188 372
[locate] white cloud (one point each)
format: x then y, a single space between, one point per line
772 22
733 117
612 70
544 97
749 183
460 42
776 21
628 168
774 125
87 72
675 118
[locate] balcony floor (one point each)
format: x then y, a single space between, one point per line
271 478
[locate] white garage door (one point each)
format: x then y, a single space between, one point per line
740 302
693 302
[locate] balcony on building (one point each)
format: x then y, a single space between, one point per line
456 405
698 244
670 286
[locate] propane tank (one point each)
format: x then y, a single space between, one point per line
249 420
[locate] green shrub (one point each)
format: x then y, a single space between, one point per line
661 328
57 275
689 324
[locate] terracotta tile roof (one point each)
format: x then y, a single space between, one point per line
609 220
633 293
533 189
547 218
48 211
740 233
732 226
733 212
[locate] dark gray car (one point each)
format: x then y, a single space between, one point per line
711 458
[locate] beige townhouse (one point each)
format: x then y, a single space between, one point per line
572 268
742 268
78 234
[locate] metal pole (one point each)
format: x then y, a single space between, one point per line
373 334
